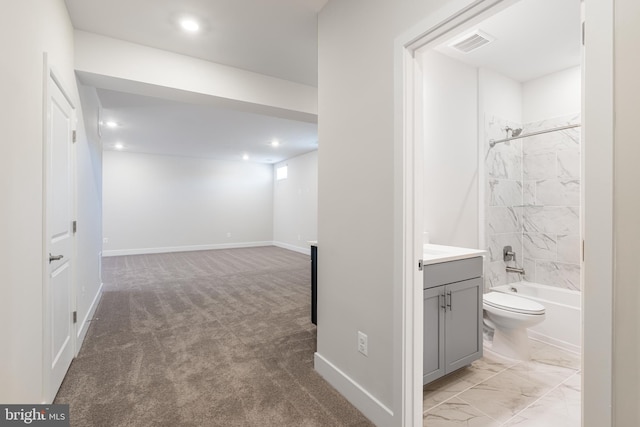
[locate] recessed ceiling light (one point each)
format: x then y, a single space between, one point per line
119 146
275 143
245 157
190 25
111 124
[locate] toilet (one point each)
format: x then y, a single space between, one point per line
509 316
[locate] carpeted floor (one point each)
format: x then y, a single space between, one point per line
211 338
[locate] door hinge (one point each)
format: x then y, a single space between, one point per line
73 136
583 250
420 265
582 33
74 226
75 317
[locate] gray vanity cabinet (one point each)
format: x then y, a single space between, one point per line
452 316
433 324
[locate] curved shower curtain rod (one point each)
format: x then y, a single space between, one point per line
492 142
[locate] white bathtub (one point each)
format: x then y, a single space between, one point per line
561 326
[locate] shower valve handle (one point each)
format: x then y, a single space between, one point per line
508 254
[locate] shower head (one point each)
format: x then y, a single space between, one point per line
515 133
511 132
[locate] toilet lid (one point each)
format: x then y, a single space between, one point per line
513 303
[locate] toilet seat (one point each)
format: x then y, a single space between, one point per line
513 303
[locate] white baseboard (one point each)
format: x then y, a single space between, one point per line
371 407
145 251
81 333
554 342
303 250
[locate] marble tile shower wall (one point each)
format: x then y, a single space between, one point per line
504 200
533 199
551 196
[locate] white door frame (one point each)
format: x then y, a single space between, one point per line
50 74
597 203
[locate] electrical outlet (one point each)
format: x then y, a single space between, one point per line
228 234
105 240
363 346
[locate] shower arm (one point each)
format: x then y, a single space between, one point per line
493 142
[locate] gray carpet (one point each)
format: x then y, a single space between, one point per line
211 338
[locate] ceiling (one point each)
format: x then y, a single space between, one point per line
279 38
159 126
273 37
533 38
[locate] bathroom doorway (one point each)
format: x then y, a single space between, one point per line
464 141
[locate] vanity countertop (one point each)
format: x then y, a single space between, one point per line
433 254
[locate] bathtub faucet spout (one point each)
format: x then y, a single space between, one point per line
515 270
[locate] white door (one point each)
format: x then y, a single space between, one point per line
58 259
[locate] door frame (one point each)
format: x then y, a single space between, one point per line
51 76
596 205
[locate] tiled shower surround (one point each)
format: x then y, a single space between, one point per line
533 203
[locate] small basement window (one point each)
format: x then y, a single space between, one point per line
281 173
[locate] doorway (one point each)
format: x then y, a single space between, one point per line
447 23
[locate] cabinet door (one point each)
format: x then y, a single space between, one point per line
463 339
433 365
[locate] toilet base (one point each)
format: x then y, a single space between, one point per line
511 343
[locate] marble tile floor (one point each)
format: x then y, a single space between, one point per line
494 391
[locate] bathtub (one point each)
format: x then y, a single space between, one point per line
561 326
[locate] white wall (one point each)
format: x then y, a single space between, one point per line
626 375
295 203
500 96
356 215
555 95
161 73
27 29
459 99
450 151
155 203
89 210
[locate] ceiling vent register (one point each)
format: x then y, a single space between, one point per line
472 41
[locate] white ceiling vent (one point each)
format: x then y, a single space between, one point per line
471 41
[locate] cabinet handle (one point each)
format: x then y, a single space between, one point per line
450 304
444 302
